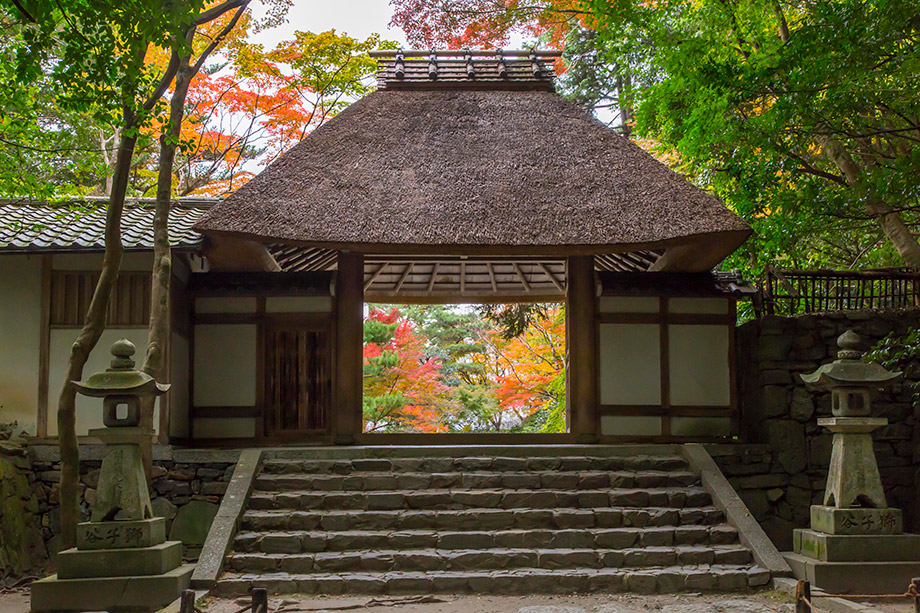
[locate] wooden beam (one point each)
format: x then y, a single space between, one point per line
455 298
434 276
520 275
581 348
347 418
492 277
551 276
404 275
44 347
376 274
462 277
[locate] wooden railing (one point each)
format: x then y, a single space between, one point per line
794 292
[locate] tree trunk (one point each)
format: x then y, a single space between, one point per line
93 327
159 328
891 221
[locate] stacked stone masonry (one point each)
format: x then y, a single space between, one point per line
780 478
182 491
484 525
22 548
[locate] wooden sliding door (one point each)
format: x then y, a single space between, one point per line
297 379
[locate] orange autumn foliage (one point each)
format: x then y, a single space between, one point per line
401 385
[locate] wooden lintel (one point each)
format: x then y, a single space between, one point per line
389 297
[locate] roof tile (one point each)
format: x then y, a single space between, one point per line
37 226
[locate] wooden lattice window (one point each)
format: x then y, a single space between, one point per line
72 291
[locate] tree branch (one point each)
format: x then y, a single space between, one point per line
213 13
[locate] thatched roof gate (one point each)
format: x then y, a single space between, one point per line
466 177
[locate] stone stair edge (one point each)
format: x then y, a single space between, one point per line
421 451
522 580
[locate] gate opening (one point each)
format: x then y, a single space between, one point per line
459 368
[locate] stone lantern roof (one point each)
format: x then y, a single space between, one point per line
848 370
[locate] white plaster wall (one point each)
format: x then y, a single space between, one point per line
89 410
699 365
20 335
225 365
630 364
178 393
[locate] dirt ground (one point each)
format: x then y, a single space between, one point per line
763 602
620 603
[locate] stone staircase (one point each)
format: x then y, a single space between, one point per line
518 520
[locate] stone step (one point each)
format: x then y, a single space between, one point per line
676 497
481 519
376 481
486 559
451 464
515 581
295 541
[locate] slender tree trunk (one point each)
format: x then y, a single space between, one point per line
93 326
891 221
159 328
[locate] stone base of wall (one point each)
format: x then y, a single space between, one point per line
22 548
180 477
790 470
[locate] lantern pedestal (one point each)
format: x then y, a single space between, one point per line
855 543
118 564
122 561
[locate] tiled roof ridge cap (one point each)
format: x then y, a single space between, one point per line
465 68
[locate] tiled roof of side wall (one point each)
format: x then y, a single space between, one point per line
37 226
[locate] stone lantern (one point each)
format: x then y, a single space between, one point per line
855 542
122 561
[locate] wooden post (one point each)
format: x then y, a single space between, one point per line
259 600
44 347
187 604
347 416
803 597
915 589
581 348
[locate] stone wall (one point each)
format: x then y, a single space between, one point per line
187 489
782 478
22 548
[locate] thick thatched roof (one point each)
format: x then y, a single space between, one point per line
473 171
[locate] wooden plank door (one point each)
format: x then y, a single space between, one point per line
297 380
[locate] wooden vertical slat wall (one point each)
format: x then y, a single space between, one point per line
71 293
